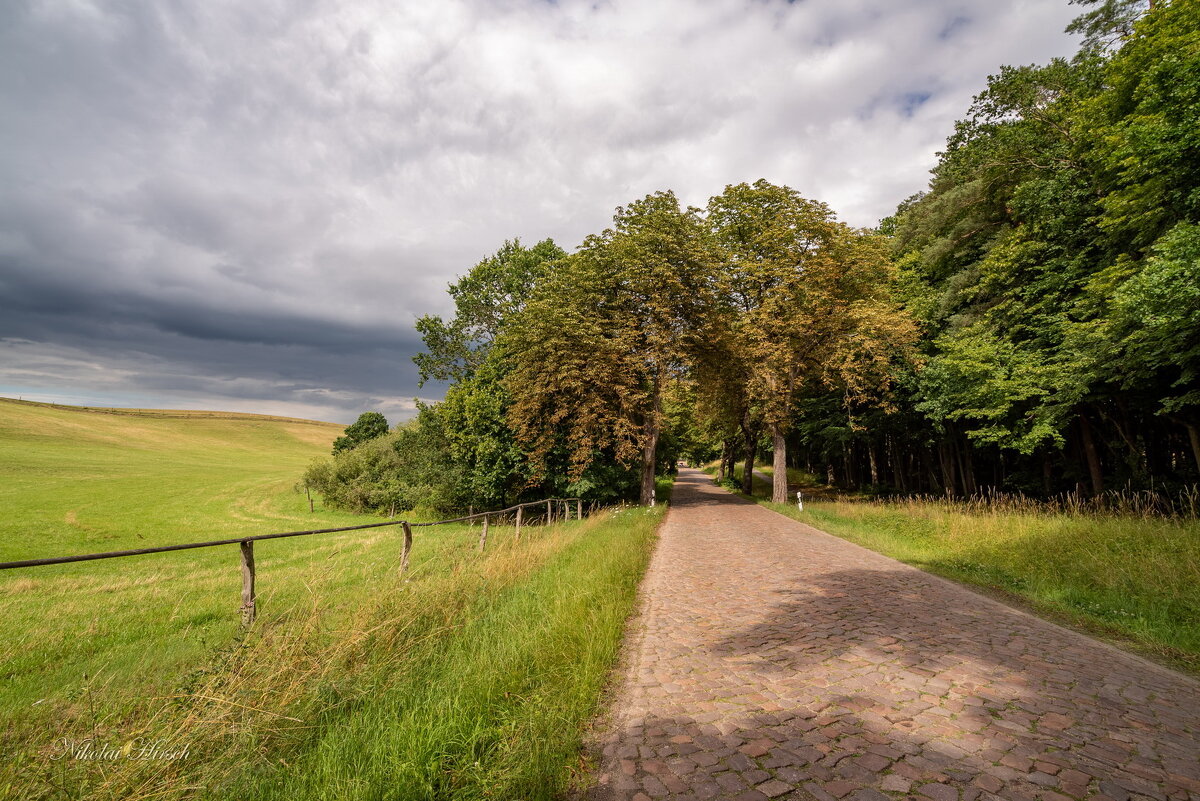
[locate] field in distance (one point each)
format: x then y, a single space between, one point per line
77 480
470 676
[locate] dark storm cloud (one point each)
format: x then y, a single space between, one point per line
246 205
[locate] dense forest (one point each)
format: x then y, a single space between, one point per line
1030 323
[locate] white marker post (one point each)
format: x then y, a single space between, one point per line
799 501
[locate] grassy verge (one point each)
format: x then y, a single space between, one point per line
473 678
1131 580
796 476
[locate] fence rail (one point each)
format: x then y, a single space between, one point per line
249 602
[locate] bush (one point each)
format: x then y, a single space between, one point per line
397 471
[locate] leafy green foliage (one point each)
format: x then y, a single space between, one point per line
1155 319
484 301
1108 23
807 305
1050 263
368 426
410 467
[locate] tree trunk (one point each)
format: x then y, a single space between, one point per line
779 492
750 443
653 427
966 468
1194 436
851 475
1093 458
649 457
1135 456
871 460
649 454
927 466
748 470
724 460
947 461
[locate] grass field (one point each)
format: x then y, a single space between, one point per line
1133 580
471 672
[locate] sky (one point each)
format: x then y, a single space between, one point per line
245 206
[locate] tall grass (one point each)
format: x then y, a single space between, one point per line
471 673
472 678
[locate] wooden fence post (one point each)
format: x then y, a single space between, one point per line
483 534
407 547
248 601
579 508
549 513
519 510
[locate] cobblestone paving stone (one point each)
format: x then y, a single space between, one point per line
773 661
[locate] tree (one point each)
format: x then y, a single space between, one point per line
464 351
593 353
1045 255
485 299
1108 24
1144 130
402 469
1154 322
811 302
369 425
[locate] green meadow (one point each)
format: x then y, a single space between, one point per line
471 672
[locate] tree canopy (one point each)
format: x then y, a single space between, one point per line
369 425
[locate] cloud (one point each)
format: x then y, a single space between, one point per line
263 196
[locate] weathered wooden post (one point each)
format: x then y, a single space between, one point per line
407 547
579 508
248 602
549 513
519 510
483 534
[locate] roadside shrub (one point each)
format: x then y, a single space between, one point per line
397 471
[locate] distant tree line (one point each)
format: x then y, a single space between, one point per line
1030 323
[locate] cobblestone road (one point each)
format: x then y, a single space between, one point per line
771 660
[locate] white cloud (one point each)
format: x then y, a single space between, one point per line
339 163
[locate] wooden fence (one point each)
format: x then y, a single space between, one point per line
246 544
